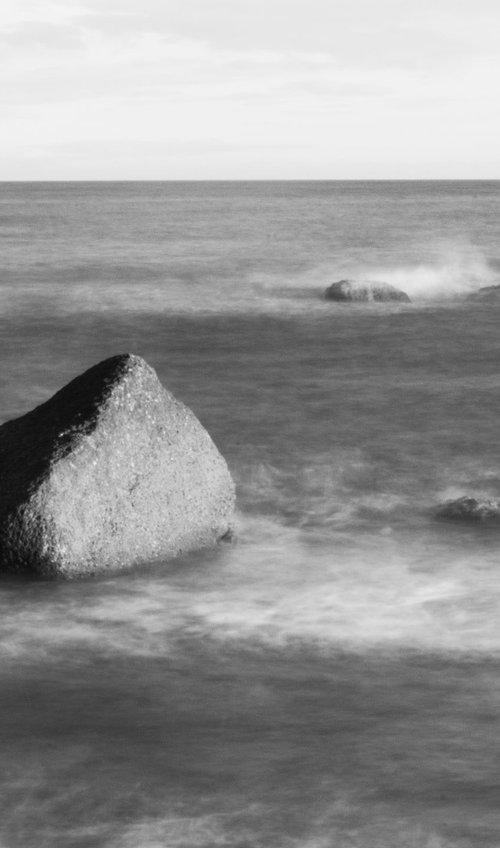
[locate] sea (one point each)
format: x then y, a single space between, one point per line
331 677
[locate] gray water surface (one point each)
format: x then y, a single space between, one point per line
330 678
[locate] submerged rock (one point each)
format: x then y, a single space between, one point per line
111 471
354 290
488 294
470 509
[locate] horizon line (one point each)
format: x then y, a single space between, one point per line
259 180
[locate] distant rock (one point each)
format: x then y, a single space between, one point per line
110 472
487 294
364 291
470 509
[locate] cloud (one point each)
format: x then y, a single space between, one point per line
16 14
350 89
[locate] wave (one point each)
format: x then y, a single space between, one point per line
337 491
456 274
456 271
277 586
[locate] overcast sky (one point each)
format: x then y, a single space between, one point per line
249 89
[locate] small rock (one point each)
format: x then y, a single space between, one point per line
354 290
110 472
470 509
487 294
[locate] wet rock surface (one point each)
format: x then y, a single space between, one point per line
110 472
364 291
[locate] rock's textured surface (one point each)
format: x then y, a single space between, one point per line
470 509
111 471
354 290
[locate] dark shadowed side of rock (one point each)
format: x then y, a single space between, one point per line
470 509
360 291
109 472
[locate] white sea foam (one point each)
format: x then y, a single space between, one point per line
450 271
328 830
277 585
458 270
178 832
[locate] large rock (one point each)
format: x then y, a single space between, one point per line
470 509
364 291
111 471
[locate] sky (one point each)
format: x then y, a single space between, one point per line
233 89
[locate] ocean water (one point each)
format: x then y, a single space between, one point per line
331 679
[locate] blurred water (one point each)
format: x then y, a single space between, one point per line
330 679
